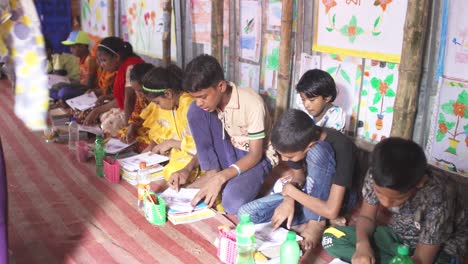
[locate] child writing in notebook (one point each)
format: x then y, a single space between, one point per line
319 189
135 129
171 135
116 55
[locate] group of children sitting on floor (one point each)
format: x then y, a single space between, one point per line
220 139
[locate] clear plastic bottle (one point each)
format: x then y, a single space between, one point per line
73 133
402 257
143 182
99 154
245 236
290 251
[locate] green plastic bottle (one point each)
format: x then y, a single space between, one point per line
402 257
245 236
99 154
290 251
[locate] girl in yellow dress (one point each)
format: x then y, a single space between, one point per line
163 86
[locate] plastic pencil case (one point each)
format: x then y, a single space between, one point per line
154 213
111 170
227 248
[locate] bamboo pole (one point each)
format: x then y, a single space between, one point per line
166 41
110 18
284 76
406 101
217 32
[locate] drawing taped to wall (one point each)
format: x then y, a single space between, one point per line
200 11
146 24
249 76
456 56
250 33
347 73
270 63
447 146
94 19
378 93
369 29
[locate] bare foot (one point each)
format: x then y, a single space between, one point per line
339 221
312 234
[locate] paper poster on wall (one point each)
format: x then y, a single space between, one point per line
249 76
250 33
456 56
447 146
378 93
269 78
146 24
347 73
274 15
201 21
94 18
368 29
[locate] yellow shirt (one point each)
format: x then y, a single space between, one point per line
172 124
67 62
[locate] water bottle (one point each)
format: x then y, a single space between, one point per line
245 236
143 183
73 133
403 256
290 252
99 154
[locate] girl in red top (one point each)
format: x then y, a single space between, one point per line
114 54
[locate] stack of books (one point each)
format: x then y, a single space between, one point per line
181 210
154 163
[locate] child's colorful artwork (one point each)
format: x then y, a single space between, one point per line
94 18
251 27
456 57
369 29
269 78
146 24
201 21
378 93
347 73
274 15
448 143
249 76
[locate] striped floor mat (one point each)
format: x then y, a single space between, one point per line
60 212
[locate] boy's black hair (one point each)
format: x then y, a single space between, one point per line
202 72
160 78
294 131
139 70
317 83
110 45
398 164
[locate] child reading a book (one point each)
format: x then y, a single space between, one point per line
79 46
135 129
321 187
230 127
116 55
163 86
427 212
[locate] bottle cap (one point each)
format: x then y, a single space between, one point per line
291 236
245 218
72 118
142 164
403 250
